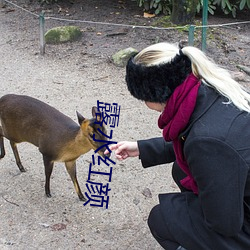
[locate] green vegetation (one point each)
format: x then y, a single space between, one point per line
63 34
227 6
166 6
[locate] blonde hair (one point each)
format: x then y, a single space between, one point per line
202 67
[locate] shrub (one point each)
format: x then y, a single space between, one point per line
157 6
165 6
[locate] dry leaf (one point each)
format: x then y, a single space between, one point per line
58 227
147 15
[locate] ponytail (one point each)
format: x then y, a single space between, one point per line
218 78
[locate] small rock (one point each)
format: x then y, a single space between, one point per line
136 201
44 225
121 58
146 192
244 68
2 3
239 76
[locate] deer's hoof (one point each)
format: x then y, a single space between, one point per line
48 195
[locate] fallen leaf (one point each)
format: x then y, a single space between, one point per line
58 227
147 15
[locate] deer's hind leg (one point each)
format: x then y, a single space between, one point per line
16 154
71 168
1 144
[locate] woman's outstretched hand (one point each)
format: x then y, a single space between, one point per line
124 149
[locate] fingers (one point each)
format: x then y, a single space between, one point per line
124 149
121 147
120 150
114 146
120 157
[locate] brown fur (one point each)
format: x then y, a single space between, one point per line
59 138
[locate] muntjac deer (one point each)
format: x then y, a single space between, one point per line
59 139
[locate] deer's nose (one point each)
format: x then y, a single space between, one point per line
108 155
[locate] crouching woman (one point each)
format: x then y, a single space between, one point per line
205 122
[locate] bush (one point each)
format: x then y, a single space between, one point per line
232 6
165 6
156 6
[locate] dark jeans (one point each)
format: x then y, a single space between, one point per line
156 222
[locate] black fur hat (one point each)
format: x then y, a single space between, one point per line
156 83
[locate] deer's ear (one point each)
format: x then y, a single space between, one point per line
96 114
94 111
80 118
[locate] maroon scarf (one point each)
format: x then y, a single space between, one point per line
174 119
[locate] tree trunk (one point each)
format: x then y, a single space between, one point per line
183 11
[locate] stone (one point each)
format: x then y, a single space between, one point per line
244 68
147 193
63 34
239 76
121 58
2 3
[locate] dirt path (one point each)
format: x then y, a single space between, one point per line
72 81
73 77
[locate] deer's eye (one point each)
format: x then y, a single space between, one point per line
91 135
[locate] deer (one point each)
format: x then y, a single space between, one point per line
58 138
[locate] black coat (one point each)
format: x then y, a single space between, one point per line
216 145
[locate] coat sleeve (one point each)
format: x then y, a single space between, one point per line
155 151
220 173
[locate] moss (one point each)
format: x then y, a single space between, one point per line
63 34
163 22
